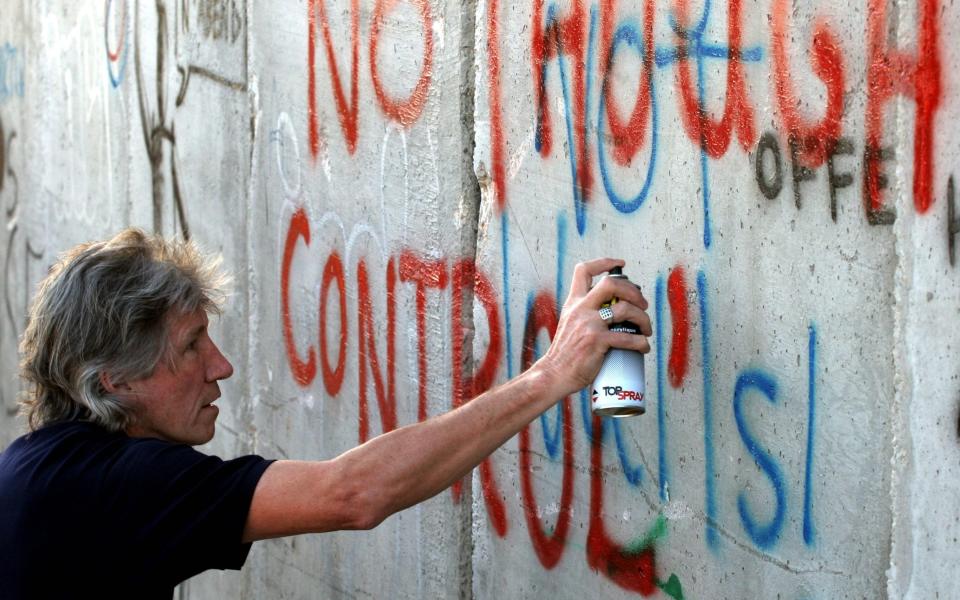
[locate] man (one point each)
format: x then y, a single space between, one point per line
107 497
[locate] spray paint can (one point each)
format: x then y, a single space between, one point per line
619 389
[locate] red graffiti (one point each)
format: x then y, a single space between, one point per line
114 55
634 571
814 142
497 143
627 137
408 110
348 114
425 274
333 272
566 36
466 277
813 138
303 371
714 136
549 548
367 347
468 285
405 111
891 72
680 318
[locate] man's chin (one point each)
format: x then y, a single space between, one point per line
204 434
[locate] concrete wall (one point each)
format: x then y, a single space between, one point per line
402 189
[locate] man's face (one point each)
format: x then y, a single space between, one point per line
175 402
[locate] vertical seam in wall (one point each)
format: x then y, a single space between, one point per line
900 540
249 274
470 208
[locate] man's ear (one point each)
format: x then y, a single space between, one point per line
111 385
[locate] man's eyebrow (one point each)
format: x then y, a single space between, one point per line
194 333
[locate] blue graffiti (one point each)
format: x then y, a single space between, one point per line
561 258
632 473
713 539
121 60
661 387
763 535
700 51
808 529
579 202
553 424
629 32
505 251
587 414
551 439
11 72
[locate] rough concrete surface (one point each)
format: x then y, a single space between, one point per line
402 189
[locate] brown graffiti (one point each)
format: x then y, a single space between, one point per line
154 126
14 280
7 176
953 222
215 19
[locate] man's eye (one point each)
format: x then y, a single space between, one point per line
192 345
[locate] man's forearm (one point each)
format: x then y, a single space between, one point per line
411 464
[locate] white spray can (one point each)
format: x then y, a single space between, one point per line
619 389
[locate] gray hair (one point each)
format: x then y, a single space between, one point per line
104 309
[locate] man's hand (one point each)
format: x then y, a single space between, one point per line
583 338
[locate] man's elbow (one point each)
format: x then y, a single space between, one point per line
363 500
366 510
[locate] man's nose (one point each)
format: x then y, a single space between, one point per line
218 366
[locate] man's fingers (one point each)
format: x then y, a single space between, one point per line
612 287
584 273
629 341
625 311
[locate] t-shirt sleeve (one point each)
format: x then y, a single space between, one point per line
186 510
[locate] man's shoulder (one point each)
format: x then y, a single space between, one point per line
63 454
69 439
54 441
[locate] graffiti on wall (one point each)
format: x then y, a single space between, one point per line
584 43
404 110
157 126
953 222
21 260
212 43
614 150
155 60
215 19
321 359
116 36
11 72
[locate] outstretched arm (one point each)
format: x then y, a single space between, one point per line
365 485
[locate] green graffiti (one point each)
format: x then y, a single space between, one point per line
657 531
672 587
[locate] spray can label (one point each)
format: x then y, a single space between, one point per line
619 389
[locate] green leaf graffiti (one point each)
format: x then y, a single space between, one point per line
672 587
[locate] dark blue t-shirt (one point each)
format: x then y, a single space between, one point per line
89 513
